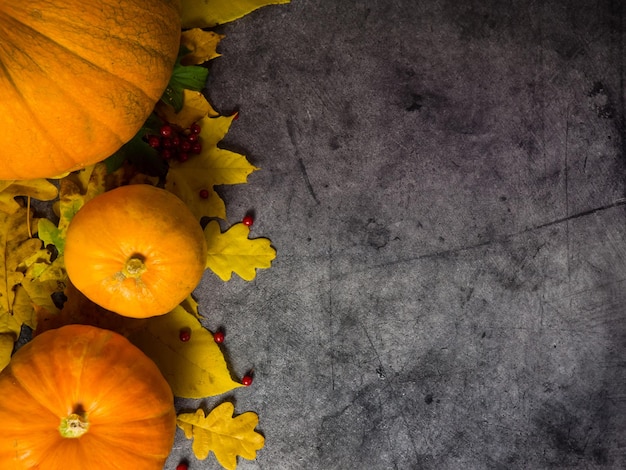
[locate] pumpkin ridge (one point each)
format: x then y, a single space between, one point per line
38 122
122 41
76 54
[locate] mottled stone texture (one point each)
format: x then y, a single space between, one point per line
444 183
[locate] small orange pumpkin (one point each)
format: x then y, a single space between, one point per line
84 397
136 250
79 78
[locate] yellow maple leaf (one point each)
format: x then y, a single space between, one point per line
210 13
40 189
214 166
195 107
232 251
225 435
194 368
202 46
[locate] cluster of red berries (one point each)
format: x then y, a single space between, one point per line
175 143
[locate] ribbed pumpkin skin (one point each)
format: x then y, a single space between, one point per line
127 402
133 221
79 78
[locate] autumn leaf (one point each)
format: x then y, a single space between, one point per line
201 46
232 251
226 436
40 189
184 77
75 191
194 368
210 13
17 246
78 309
214 166
195 107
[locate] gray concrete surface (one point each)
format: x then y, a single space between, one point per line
444 183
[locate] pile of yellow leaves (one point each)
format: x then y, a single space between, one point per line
35 291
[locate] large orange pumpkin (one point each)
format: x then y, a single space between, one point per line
136 250
79 78
84 397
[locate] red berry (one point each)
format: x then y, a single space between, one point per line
204 193
184 334
175 140
183 156
166 130
236 116
182 466
154 141
247 380
195 128
166 154
185 145
192 138
247 221
166 143
218 336
196 147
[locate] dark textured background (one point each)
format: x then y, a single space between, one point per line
444 183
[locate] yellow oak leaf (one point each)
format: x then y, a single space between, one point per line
40 189
195 107
210 13
195 368
225 435
214 166
232 251
202 46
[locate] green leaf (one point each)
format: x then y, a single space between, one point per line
190 77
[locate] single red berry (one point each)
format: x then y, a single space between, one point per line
185 145
166 154
247 221
184 334
218 336
183 157
176 140
247 380
204 193
166 130
154 141
195 128
182 466
166 142
196 147
192 138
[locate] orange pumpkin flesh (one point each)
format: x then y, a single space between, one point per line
121 405
79 78
136 250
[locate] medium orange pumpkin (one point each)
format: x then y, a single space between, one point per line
84 397
136 250
79 78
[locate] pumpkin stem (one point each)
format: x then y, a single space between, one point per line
135 266
73 426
